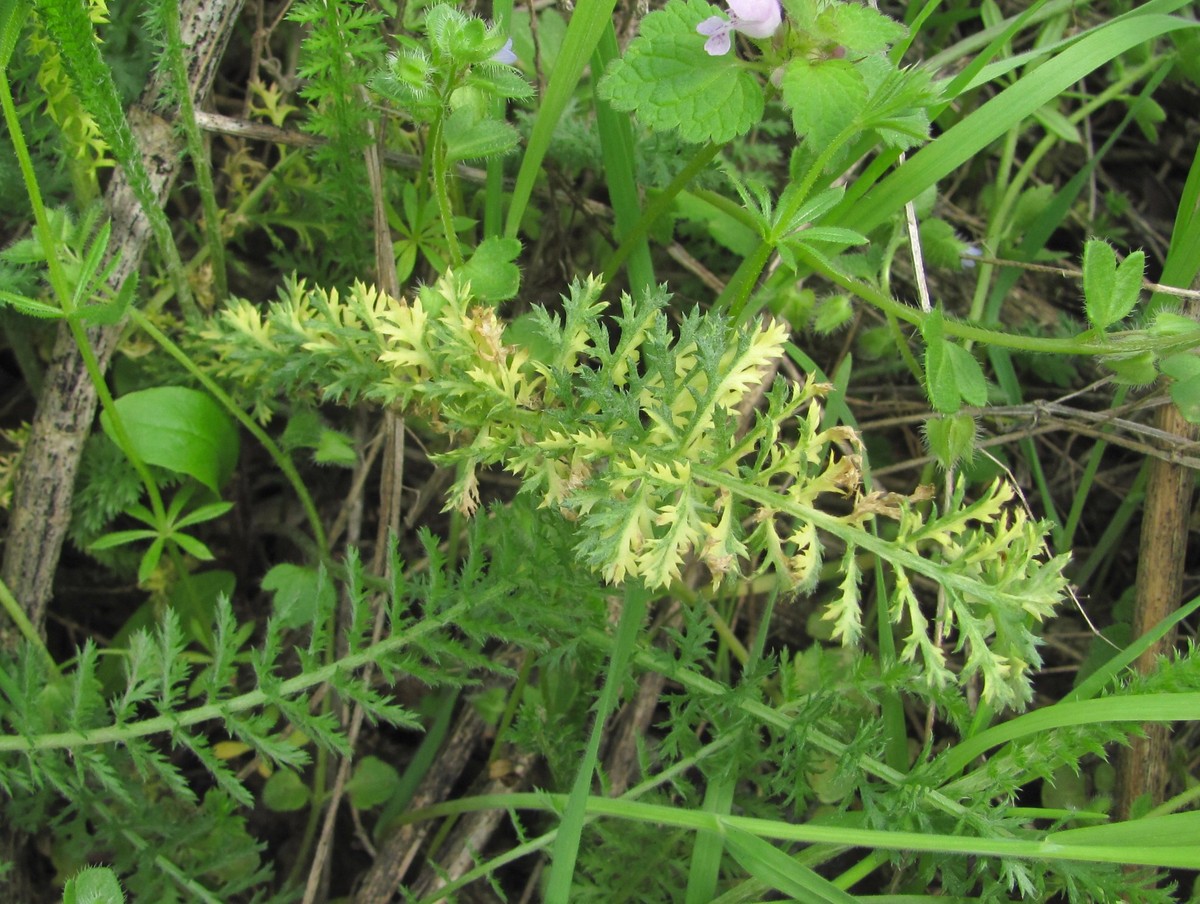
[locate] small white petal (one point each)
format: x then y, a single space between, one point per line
718 44
756 18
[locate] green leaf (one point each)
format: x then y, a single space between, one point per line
112 311
335 448
860 29
180 429
812 208
951 439
672 84
832 234
1038 87
203 513
491 271
824 98
952 375
501 81
1133 370
31 306
193 547
12 19
373 783
93 885
1184 370
1057 124
122 537
1169 324
940 244
831 314
469 136
898 103
589 21
150 560
299 593
284 792
768 864
1110 291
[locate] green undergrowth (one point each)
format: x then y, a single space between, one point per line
613 445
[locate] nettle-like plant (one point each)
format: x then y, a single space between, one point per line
828 63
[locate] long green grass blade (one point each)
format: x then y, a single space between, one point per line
705 867
967 138
1174 856
620 171
768 864
587 26
1134 708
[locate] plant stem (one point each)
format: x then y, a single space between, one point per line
62 290
196 147
25 626
657 207
256 699
1110 344
437 152
814 833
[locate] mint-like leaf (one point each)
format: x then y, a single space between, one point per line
674 85
470 136
824 98
861 29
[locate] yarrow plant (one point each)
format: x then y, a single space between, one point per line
629 482
757 19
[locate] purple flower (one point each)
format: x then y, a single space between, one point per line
505 54
753 18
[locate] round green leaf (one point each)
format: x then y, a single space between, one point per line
491 271
284 792
373 783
